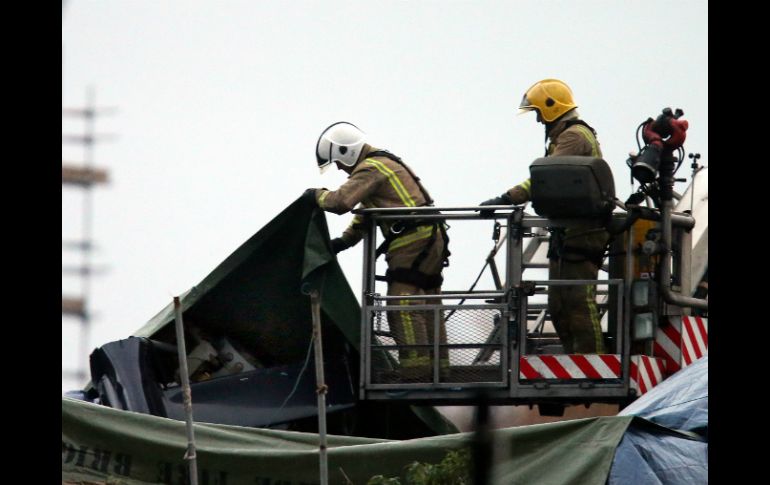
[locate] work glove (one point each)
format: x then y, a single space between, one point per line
309 195
339 244
504 199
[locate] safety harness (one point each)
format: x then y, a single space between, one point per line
558 248
413 275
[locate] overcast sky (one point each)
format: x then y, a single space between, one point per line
220 104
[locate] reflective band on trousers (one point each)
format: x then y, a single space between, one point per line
596 324
409 336
415 361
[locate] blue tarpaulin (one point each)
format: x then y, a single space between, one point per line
676 450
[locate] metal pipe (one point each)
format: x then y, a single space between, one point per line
412 210
692 188
431 346
408 307
683 220
372 285
321 388
515 316
684 268
613 281
491 294
535 265
624 317
665 268
426 217
365 289
544 306
190 455
453 293
436 348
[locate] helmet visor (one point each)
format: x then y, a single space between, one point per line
525 106
323 160
324 167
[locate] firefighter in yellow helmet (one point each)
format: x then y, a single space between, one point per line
416 252
577 252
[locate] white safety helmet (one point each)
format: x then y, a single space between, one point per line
340 142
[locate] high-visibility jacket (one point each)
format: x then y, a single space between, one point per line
376 182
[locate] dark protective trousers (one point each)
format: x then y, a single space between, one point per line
573 308
417 327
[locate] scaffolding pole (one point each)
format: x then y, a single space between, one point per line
321 389
186 393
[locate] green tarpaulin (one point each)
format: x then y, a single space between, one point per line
256 294
106 445
258 297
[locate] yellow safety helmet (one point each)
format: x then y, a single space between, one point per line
551 97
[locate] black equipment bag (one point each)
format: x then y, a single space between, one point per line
572 187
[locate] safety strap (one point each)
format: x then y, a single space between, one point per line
395 158
579 122
557 248
596 257
408 225
414 277
569 123
403 227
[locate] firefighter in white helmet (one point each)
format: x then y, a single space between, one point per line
416 252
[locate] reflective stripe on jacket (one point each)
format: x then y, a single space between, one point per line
375 182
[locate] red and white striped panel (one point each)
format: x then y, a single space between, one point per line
570 366
668 344
695 339
646 373
681 341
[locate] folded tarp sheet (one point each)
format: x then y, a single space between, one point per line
652 455
680 402
258 296
101 444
